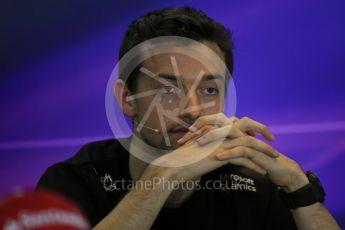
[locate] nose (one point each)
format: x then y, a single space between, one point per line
190 107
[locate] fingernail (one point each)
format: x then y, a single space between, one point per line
198 132
192 128
201 140
220 156
272 137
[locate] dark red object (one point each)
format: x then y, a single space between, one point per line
40 210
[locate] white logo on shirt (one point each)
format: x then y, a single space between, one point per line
108 183
236 182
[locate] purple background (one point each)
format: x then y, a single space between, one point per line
56 58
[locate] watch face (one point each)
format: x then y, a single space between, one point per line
317 186
312 177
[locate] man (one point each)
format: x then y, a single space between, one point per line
175 102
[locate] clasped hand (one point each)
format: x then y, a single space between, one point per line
241 147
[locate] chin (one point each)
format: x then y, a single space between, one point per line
163 146
160 144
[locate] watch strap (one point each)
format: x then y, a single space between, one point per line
309 194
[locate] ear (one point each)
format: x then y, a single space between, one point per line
121 93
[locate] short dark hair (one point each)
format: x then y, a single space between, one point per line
178 21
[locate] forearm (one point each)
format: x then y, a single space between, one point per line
314 216
140 207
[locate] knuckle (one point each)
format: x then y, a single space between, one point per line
270 148
232 120
200 120
245 119
209 135
222 115
244 149
230 128
234 128
240 161
190 135
219 117
249 139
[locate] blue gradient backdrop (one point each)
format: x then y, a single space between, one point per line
57 56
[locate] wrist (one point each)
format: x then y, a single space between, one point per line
306 195
162 176
297 182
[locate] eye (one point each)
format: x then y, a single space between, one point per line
209 91
166 89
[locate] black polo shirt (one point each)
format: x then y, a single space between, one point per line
227 198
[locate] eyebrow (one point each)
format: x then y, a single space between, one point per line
209 77
206 77
168 76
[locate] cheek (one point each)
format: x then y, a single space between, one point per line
217 108
145 109
143 106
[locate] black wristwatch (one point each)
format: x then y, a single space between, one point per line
307 195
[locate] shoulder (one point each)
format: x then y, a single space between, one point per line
79 177
88 157
104 150
98 150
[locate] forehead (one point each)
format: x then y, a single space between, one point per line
187 59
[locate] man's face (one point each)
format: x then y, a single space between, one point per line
184 87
